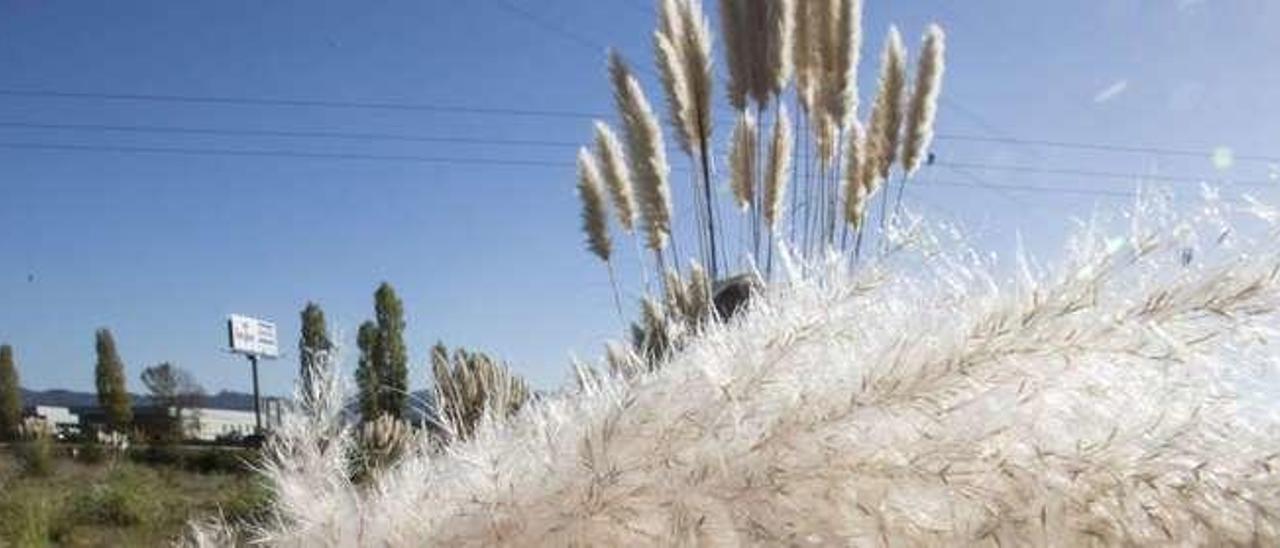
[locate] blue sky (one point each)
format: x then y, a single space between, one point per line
160 247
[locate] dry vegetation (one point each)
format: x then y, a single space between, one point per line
75 502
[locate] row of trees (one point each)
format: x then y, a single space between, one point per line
468 384
169 386
382 374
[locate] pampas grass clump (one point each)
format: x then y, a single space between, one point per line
472 389
1124 395
383 441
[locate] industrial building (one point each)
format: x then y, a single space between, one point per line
198 423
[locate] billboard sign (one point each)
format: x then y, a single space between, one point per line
252 336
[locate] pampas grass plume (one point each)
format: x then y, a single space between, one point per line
646 152
698 296
696 54
675 85
677 299
656 342
855 191
668 43
737 40
616 174
841 46
803 51
889 103
923 107
779 171
595 217
779 42
742 160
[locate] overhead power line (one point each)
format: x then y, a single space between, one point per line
455 160
280 153
961 167
314 103
344 135
561 114
550 26
1100 147
1102 174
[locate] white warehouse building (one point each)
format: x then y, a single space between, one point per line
211 424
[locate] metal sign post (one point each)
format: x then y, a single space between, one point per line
257 406
255 339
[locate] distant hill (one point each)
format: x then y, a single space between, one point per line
69 398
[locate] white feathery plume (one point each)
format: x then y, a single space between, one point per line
759 66
670 22
881 133
855 192
824 134
645 152
668 42
698 296
671 73
923 106
842 45
696 53
742 160
616 174
779 171
676 297
804 53
889 103
595 216
737 45
781 17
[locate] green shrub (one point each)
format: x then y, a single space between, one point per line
249 503
156 455
89 452
216 461
36 456
128 497
27 518
33 514
210 460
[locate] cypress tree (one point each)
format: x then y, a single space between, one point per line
109 376
10 396
391 358
367 381
313 344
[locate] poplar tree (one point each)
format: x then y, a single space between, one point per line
313 344
391 357
367 381
10 396
109 376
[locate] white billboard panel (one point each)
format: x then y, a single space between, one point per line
252 336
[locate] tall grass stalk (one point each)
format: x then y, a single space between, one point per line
777 176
